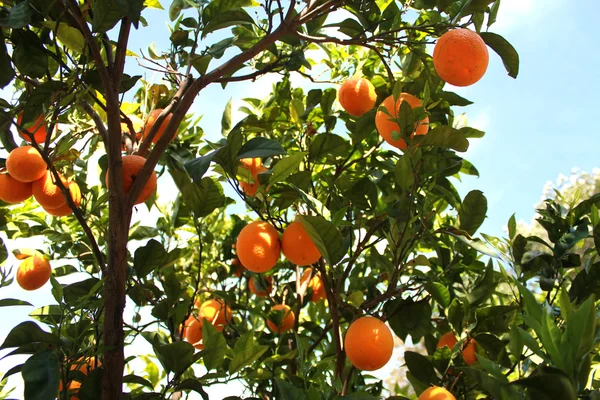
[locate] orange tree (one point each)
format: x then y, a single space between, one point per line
379 235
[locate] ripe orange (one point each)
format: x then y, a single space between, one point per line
13 191
258 246
251 188
192 332
316 284
132 165
297 246
386 124
25 164
469 352
436 393
151 119
251 163
65 209
38 129
263 289
368 343
460 57
47 193
85 366
215 312
447 339
34 272
237 268
357 96
285 323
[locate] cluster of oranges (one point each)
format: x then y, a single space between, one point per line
27 175
259 248
213 311
460 57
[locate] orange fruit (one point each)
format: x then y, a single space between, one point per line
65 209
34 272
469 352
386 124
82 366
287 320
263 289
297 246
47 193
132 165
316 284
151 119
192 332
258 246
357 96
368 343
460 57
237 268
25 164
251 188
215 312
37 129
13 191
436 393
447 339
251 163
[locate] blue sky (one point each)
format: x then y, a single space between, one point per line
537 127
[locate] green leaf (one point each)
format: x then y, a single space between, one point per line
532 307
222 13
476 6
570 239
26 333
326 237
226 19
472 211
14 302
215 347
18 17
175 357
405 176
106 15
260 147
198 166
226 119
175 9
289 391
439 292
138 380
516 342
205 197
455 100
7 72
192 384
445 137
420 367
406 119
285 167
581 329
456 314
148 258
512 227
41 375
407 317
547 383
246 351
71 37
505 50
327 144
28 55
